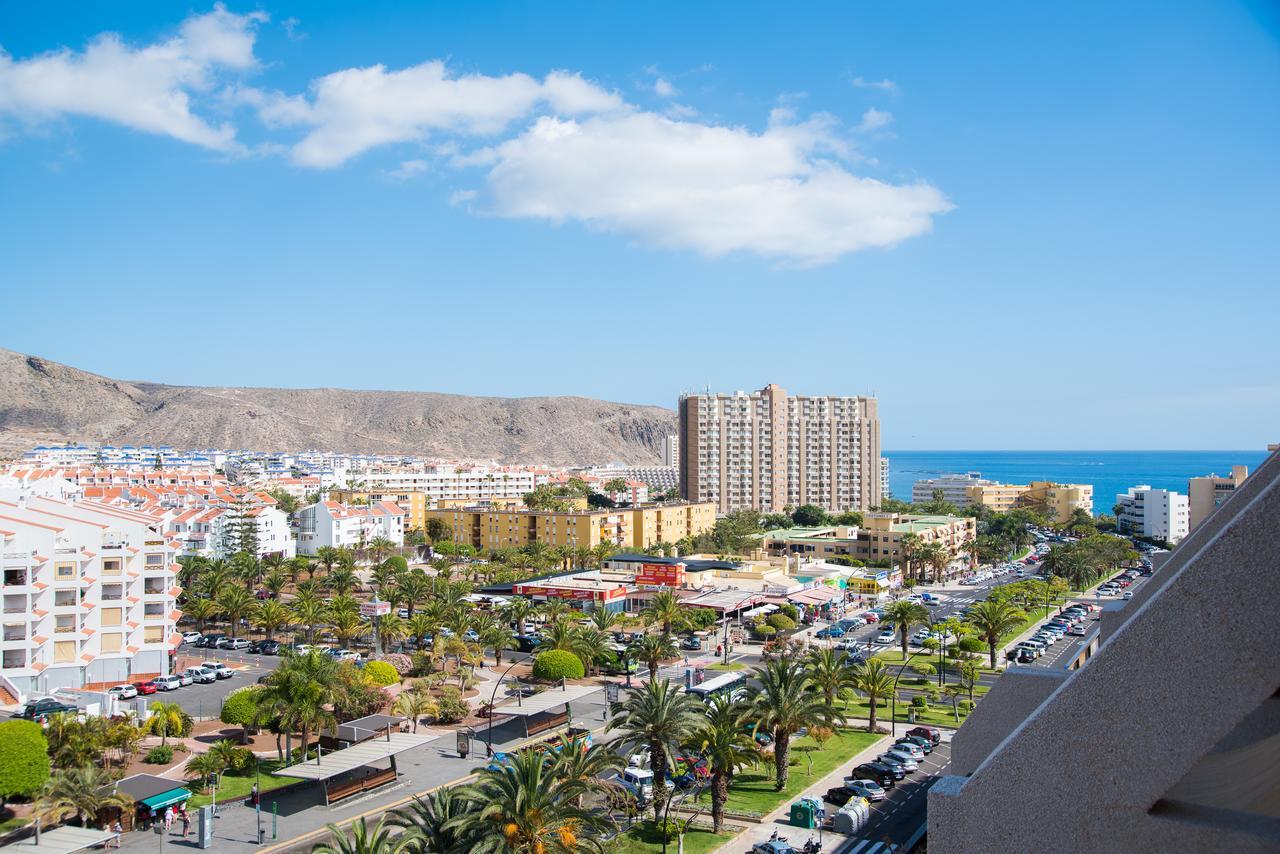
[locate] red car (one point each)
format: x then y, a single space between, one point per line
870 617
145 687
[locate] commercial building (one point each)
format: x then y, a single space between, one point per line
1133 751
1206 494
328 523
766 450
879 538
1057 501
487 527
1158 514
89 594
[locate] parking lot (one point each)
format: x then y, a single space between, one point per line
896 818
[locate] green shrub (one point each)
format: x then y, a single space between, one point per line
970 644
966 706
763 630
241 708
924 668
161 754
398 563
24 758
790 610
919 702
453 708
557 664
931 694
381 673
781 622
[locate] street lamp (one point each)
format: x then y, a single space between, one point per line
893 696
493 698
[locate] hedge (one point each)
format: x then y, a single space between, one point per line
556 664
381 674
781 622
24 758
241 708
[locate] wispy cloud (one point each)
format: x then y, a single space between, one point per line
885 85
874 120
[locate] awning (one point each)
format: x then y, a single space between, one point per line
756 612
62 840
164 799
544 701
350 758
816 595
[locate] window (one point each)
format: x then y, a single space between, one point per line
154 609
64 624
112 642
155 559
112 592
65 571
64 652
111 616
153 634
63 598
111 566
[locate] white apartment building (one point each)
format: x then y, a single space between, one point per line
671 450
766 450
274 533
451 483
88 594
328 523
954 487
1160 514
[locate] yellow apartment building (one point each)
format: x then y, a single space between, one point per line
412 502
1058 501
626 527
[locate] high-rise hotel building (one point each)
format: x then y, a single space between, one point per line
768 450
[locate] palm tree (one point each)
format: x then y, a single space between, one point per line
497 637
275 582
379 548
992 619
77 793
414 587
554 609
327 556
429 823
724 740
363 839
309 612
829 669
653 650
786 701
419 626
909 547
300 692
938 557
200 610
200 766
517 610
905 616
270 616
604 619
346 625
659 716
664 608
167 719
872 678
591 645
235 602
525 809
342 580
415 705
587 765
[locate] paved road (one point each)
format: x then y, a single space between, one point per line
897 817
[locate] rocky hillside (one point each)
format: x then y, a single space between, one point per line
43 401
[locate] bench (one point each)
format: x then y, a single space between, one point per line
551 722
360 784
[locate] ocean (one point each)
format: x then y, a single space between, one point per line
1110 472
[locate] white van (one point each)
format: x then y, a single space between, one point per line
167 683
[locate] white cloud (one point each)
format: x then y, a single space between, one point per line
354 110
885 85
873 120
783 194
410 169
663 88
148 88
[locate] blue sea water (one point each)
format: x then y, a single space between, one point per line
1110 472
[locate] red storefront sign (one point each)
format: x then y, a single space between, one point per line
570 593
660 574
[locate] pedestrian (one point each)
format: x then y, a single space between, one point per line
253 796
168 818
186 823
117 829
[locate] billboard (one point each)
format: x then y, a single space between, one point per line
660 575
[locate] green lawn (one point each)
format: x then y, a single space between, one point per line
732 665
14 823
644 837
752 788
939 713
236 785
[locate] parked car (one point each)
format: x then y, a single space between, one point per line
901 762
201 675
887 635
870 616
167 683
925 744
42 708
266 647
881 774
145 687
210 641
868 789
123 692
237 644
184 679
191 637
839 796
773 846
1128 594
829 632
219 669
691 643
934 735
912 749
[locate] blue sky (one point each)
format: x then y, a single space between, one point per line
1019 225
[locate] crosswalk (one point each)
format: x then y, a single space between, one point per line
871 846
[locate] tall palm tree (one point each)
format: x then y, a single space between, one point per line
270 616
909 547
665 609
414 587
77 793
495 636
591 645
992 619
346 625
905 616
830 671
429 823
659 717
391 628
873 679
327 556
363 838
342 580
653 650
588 765
200 610
554 609
724 740
604 619
786 700
419 626
235 602
380 548
309 612
275 582
517 610
524 809
300 692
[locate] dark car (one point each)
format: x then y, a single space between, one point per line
527 643
882 774
928 732
838 796
44 707
829 632
211 641
691 643
924 744
266 647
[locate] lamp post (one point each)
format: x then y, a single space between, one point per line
893 696
492 699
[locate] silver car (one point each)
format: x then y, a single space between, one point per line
906 760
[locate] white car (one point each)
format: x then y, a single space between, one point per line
219 669
887 636
1128 594
917 753
201 675
167 683
191 637
123 692
184 678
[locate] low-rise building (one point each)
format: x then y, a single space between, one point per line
329 523
1157 514
1206 494
488 528
878 540
1057 501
